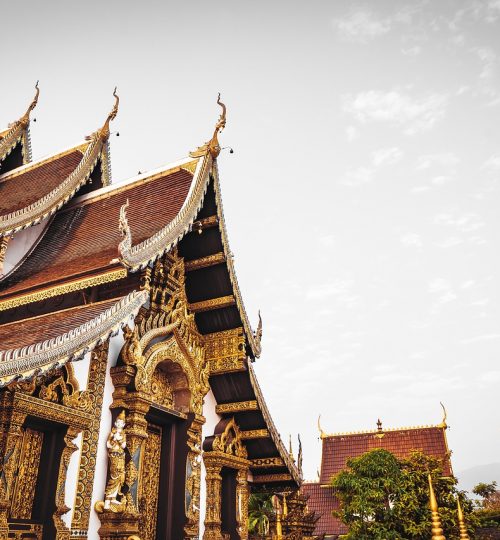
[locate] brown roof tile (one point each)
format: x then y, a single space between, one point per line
337 449
323 501
83 238
18 190
34 330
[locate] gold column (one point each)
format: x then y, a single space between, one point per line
10 444
213 503
464 535
4 242
193 481
242 503
95 389
63 533
437 531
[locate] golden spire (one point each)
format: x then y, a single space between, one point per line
104 131
461 523
437 531
26 116
443 423
290 451
212 146
322 434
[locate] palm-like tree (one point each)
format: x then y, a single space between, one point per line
260 508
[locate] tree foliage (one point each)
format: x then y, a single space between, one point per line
384 498
260 508
488 511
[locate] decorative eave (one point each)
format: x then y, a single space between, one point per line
34 359
17 132
55 199
273 432
141 255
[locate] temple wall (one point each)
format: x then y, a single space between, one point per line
212 419
115 345
21 243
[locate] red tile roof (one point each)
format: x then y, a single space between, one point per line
337 449
22 188
83 238
37 329
323 502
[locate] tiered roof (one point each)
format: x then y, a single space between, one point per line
338 448
81 279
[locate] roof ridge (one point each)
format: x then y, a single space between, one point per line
384 430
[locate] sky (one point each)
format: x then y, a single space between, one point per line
361 198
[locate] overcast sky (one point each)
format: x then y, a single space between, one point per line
362 198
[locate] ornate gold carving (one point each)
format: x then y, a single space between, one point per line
124 227
90 437
437 531
63 533
191 166
4 242
265 478
226 351
261 463
205 262
240 406
58 290
16 131
227 450
255 434
161 389
212 147
116 444
26 475
150 483
193 478
464 535
205 223
64 389
41 357
213 303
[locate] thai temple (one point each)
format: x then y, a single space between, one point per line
129 408
337 448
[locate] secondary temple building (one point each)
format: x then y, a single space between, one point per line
339 447
129 408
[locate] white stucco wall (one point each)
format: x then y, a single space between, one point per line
21 243
212 419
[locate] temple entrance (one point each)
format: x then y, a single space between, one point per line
33 500
229 523
162 477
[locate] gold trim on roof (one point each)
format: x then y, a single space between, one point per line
212 147
64 288
385 430
40 357
15 133
273 432
60 195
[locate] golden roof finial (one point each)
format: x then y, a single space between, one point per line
464 535
443 423
437 531
322 434
26 116
290 451
213 146
104 131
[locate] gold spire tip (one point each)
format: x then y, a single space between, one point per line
464 535
322 434
104 132
443 424
26 116
437 531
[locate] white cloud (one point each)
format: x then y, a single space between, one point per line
357 177
484 337
466 222
413 114
352 133
412 51
447 160
386 156
361 26
411 239
488 61
439 285
492 163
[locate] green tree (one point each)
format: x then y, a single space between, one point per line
488 511
260 508
383 498
485 490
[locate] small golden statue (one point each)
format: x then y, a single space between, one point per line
116 444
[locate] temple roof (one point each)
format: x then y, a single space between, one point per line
82 240
17 135
322 501
39 344
338 448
